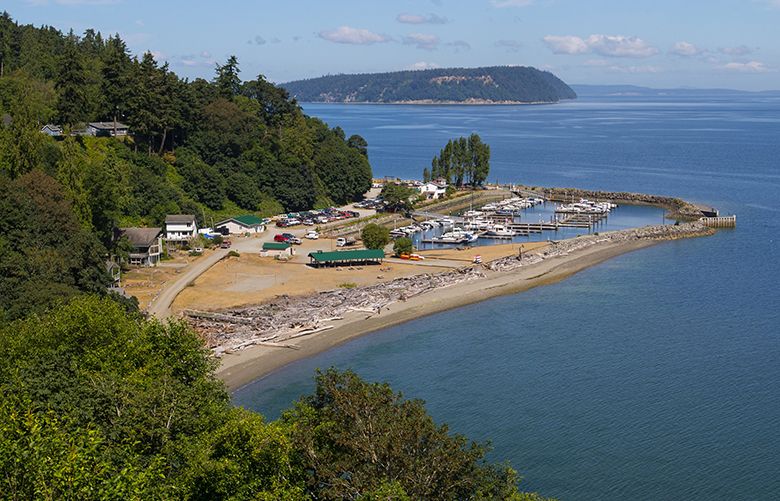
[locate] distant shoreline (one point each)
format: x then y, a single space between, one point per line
432 102
243 367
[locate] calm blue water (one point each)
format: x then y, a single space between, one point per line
655 375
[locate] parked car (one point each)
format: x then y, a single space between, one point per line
291 238
312 235
225 244
280 238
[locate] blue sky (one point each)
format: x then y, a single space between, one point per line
657 43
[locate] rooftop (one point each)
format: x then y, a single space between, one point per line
107 125
350 255
179 219
141 237
276 246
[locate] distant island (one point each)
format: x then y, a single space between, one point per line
488 85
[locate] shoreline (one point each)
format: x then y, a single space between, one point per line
253 363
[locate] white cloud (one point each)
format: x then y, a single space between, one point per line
501 4
205 60
686 49
422 65
566 44
740 50
605 45
354 36
749 67
422 40
620 46
421 19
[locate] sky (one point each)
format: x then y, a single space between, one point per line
655 43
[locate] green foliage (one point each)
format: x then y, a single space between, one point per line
99 403
375 236
462 161
230 143
398 197
497 83
46 255
403 245
352 426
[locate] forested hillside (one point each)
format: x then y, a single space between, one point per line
221 144
210 148
497 84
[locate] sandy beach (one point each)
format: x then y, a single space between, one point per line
244 366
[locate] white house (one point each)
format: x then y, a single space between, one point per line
241 224
107 129
52 130
180 227
433 190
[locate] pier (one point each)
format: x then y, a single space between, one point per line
719 222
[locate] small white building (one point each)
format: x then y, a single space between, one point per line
52 130
114 129
180 227
433 190
241 224
277 249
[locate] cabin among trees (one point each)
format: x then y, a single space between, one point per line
146 245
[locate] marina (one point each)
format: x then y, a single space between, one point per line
515 219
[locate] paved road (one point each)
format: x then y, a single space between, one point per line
161 305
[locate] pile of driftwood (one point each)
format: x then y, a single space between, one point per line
286 318
565 247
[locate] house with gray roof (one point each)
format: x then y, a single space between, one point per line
147 245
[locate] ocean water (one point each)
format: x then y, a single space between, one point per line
655 375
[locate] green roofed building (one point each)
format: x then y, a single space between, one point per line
241 224
350 257
277 249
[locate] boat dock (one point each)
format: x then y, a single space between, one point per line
719 221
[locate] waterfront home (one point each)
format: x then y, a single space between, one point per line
113 129
146 243
277 249
241 224
52 130
433 190
180 227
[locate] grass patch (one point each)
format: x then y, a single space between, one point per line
348 285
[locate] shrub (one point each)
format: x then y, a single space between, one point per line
403 246
375 236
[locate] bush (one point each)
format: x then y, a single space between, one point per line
217 240
375 236
403 246
348 285
234 253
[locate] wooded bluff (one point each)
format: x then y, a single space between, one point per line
496 84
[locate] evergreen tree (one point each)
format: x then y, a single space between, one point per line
227 80
116 79
71 85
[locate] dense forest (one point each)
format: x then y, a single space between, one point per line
491 84
210 148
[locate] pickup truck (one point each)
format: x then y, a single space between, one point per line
225 244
